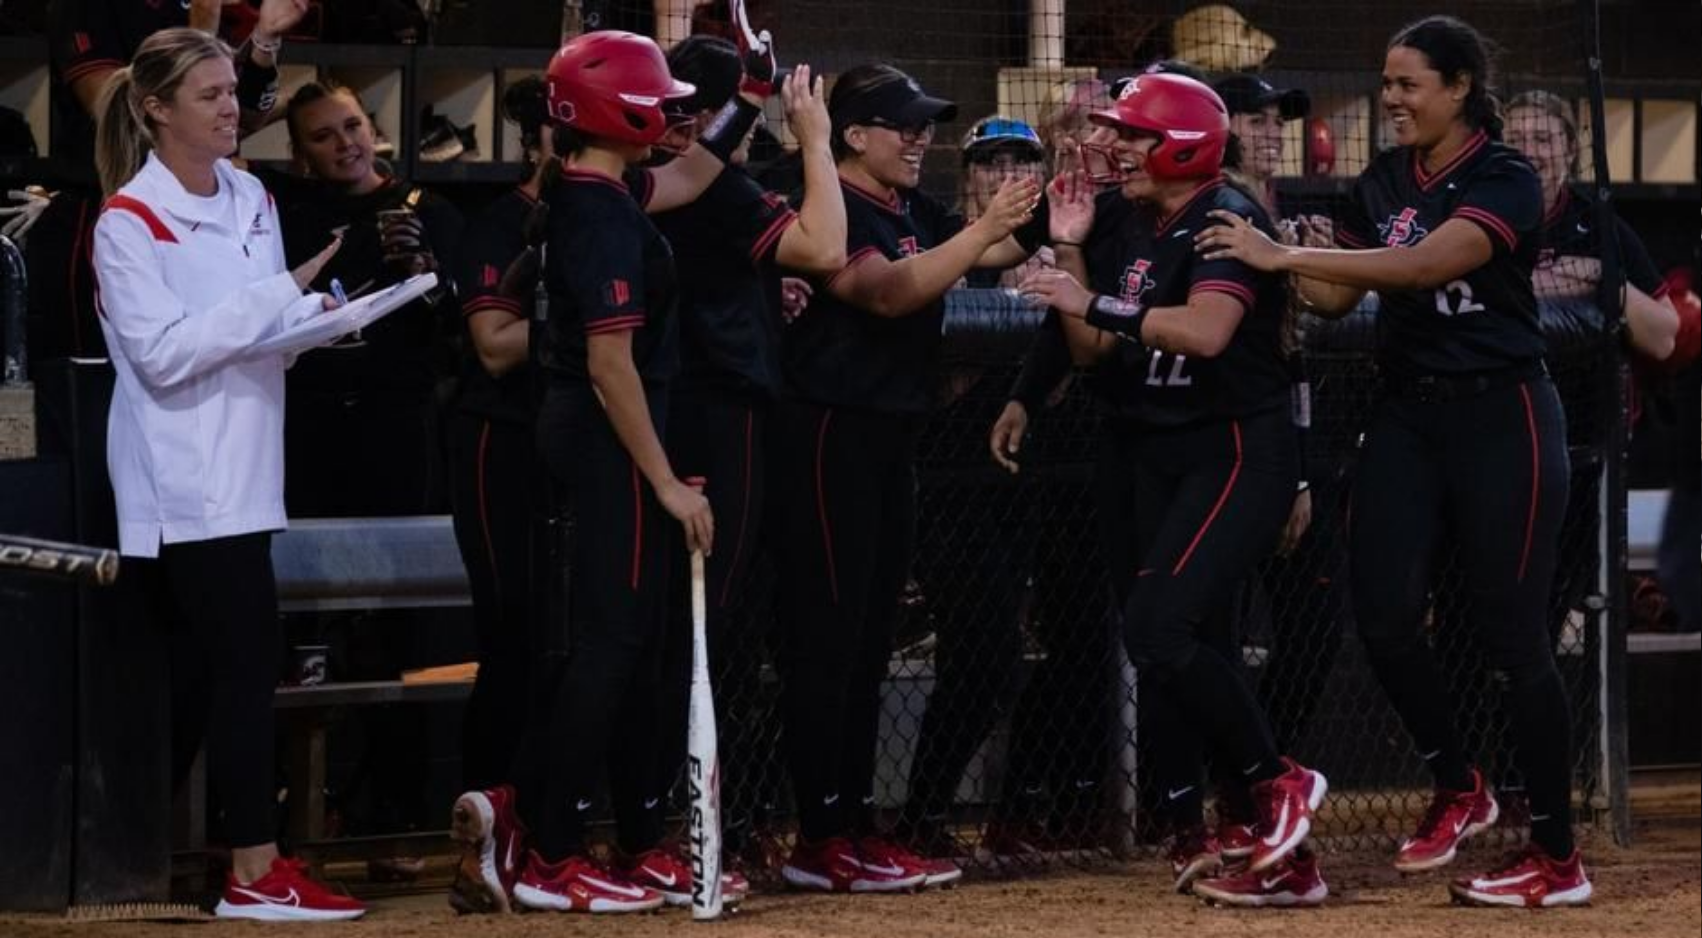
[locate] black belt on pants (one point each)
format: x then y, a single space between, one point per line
1437 388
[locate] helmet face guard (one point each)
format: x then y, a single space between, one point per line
1101 165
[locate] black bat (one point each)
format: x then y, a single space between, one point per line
97 566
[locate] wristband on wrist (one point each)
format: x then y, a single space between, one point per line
270 48
1116 316
729 128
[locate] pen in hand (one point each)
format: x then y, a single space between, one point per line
337 292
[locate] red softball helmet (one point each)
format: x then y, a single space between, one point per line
1186 115
613 85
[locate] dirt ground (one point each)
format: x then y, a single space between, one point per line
1648 891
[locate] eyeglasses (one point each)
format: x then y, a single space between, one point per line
905 134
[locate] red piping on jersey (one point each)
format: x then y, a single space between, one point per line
1229 486
569 174
1237 290
771 237
157 228
615 324
857 257
479 304
637 523
484 507
83 68
1426 180
744 515
821 507
892 204
1168 220
1492 221
1536 479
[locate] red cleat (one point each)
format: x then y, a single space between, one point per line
1292 883
286 894
880 852
1193 853
669 873
578 885
1453 817
494 850
834 865
1529 880
1285 804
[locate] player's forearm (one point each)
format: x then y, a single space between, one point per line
621 390
1653 324
1087 343
821 222
911 284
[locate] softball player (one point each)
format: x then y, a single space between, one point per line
1468 444
1197 377
859 367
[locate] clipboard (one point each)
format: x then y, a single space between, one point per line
327 327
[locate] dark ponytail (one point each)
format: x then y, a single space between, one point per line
1459 52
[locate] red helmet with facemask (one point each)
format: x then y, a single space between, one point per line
1187 117
613 85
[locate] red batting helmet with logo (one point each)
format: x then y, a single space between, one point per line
612 84
1186 115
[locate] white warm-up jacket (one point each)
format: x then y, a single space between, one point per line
186 286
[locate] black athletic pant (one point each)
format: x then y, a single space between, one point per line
217 603
1489 472
605 706
721 436
1210 501
1307 596
495 470
845 503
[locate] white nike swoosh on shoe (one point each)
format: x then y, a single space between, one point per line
631 892
1498 883
667 880
1278 830
508 860
880 870
289 898
1270 884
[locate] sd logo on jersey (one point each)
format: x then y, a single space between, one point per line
1135 283
1402 230
908 246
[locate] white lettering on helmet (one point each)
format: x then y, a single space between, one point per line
642 100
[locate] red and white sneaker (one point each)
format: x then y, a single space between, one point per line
494 842
880 852
1292 883
578 885
1453 816
1237 839
286 894
834 865
1530 880
668 873
1285 805
1193 853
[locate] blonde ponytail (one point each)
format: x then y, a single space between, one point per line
123 133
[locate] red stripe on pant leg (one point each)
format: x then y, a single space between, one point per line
484 509
1229 486
637 524
744 516
1536 480
821 508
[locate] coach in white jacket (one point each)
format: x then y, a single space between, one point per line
190 271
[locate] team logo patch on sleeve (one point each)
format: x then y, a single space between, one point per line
1135 282
1402 230
617 292
489 276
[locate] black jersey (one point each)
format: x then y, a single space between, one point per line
608 270
1570 229
724 245
1486 320
1138 257
841 356
492 242
403 354
87 36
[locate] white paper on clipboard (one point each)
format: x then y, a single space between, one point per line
327 327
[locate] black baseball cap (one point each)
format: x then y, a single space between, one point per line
1244 94
899 102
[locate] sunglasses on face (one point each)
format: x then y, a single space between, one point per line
906 134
